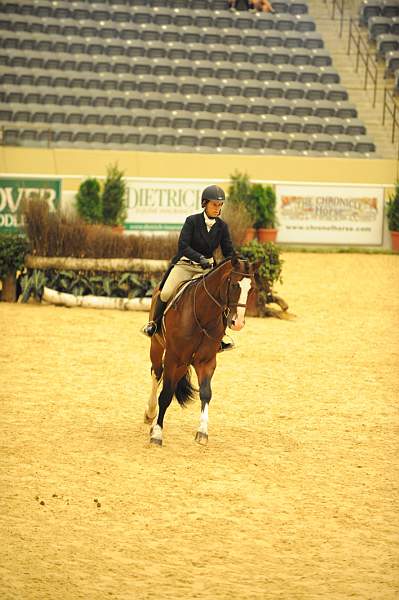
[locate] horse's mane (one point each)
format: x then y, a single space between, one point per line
226 260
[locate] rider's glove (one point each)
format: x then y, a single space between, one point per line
205 263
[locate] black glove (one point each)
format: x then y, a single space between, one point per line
205 263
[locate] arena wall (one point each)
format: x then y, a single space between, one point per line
72 166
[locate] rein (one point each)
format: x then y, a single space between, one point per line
224 308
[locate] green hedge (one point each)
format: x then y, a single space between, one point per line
13 248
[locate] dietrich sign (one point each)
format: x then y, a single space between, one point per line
15 191
162 204
330 214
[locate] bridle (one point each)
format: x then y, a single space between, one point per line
225 307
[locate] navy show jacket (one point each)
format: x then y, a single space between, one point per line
195 239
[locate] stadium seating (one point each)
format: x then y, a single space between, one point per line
168 74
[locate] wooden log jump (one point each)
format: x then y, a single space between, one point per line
144 265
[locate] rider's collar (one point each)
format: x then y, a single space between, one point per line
209 221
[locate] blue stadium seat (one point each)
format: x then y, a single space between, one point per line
343 143
391 63
390 8
228 122
270 123
291 124
334 126
322 143
387 42
368 9
299 141
355 127
377 26
312 125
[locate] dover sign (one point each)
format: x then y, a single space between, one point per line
15 191
330 214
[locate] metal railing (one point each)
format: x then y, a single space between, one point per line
363 55
391 107
339 6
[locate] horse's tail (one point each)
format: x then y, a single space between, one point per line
185 391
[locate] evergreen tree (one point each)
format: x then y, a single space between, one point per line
88 201
114 197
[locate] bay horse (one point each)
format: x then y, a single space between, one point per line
192 330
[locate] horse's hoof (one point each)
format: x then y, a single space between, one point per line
156 441
148 420
201 438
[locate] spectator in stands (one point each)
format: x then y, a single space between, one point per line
240 4
259 5
263 6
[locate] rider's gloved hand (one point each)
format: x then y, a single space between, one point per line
205 263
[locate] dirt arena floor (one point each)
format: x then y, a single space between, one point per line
294 498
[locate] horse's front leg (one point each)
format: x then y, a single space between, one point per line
152 406
204 373
165 398
156 353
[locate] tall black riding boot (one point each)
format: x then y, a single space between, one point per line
154 325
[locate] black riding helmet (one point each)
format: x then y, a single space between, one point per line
212 192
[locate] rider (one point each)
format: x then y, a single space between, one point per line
201 235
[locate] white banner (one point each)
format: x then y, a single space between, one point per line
162 204
329 214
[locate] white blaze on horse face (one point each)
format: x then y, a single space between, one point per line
239 322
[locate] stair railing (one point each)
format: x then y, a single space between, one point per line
339 5
391 107
364 55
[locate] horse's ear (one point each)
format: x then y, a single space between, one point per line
235 261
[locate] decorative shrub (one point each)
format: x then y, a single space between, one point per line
393 210
262 205
259 200
114 197
88 201
271 267
83 283
13 248
239 189
269 271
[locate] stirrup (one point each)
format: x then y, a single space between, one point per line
149 329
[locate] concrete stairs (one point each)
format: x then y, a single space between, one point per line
345 64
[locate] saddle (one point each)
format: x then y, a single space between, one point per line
174 300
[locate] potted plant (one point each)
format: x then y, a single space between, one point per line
269 273
239 196
393 218
262 202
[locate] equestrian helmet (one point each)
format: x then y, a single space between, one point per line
212 192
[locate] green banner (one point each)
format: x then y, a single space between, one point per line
152 226
15 191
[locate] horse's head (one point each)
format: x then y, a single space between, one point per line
241 286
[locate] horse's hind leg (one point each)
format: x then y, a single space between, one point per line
164 400
171 377
156 353
204 373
